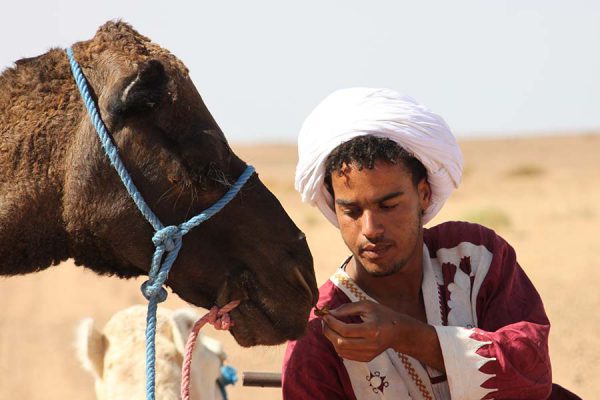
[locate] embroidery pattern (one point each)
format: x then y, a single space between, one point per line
415 377
350 285
458 289
377 382
405 361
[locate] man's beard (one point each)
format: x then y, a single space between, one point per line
388 272
398 265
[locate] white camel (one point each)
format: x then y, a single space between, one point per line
116 356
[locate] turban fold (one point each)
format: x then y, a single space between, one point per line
349 113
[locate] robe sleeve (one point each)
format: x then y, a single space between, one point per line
312 369
506 355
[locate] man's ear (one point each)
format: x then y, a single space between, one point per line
140 92
424 190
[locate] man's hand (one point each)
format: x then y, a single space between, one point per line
379 330
382 328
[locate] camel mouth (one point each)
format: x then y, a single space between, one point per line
264 316
255 325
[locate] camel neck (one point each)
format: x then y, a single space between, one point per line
36 127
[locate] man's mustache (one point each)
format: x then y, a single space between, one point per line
372 242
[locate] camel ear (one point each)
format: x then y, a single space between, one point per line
183 321
214 346
142 91
91 347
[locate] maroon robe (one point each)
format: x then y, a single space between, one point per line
490 320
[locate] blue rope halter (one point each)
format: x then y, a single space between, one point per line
167 240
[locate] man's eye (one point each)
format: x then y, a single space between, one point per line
388 206
351 212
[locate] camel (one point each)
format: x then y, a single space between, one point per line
60 198
115 355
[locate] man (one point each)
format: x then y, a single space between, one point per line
413 313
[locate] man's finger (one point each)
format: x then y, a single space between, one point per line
331 335
342 343
357 356
348 330
349 309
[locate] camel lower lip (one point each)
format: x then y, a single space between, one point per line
242 334
254 325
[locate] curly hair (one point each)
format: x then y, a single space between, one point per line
363 151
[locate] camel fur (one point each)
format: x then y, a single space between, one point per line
116 356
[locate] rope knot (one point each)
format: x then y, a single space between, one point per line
219 318
167 237
153 291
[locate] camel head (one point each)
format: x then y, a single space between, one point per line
181 163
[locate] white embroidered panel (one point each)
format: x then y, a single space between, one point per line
459 350
432 279
462 300
377 379
462 362
414 376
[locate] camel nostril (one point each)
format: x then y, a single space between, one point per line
304 284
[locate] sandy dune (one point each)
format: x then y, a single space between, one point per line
541 194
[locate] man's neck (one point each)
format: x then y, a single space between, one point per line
395 291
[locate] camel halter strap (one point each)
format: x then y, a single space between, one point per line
167 240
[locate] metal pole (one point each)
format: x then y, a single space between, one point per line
261 379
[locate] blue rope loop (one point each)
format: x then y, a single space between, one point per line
167 240
153 292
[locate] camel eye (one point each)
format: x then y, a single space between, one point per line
142 91
174 178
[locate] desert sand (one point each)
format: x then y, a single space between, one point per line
541 193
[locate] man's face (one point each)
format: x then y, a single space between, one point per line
379 211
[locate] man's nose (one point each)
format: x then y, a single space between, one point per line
372 225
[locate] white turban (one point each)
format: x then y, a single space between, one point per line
348 113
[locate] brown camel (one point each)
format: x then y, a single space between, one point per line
60 198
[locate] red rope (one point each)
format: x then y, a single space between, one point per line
219 318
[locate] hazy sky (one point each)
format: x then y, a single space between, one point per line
489 67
